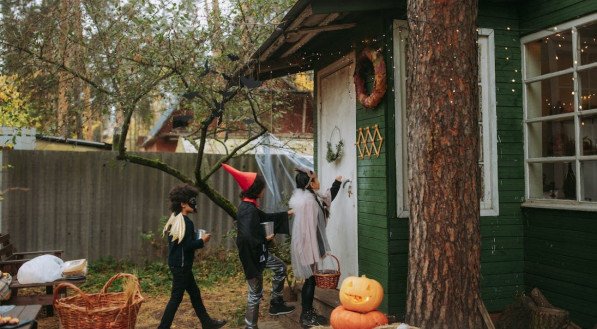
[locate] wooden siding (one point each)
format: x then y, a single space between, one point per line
561 260
559 246
541 14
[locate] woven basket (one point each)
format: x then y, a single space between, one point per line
106 310
327 279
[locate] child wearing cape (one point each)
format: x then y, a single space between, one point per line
309 241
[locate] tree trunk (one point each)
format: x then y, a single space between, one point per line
63 77
443 150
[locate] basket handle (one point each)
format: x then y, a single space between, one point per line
65 285
116 277
335 258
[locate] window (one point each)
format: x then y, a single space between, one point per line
489 202
560 115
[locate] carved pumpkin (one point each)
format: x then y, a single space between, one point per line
342 318
360 294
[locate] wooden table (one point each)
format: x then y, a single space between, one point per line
46 299
24 313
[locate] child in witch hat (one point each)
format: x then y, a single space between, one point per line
181 252
252 246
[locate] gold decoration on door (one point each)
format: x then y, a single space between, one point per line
368 143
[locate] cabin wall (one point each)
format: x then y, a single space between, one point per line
560 245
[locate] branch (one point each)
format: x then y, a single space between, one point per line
157 164
59 65
245 143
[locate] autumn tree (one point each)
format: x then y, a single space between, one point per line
443 139
137 51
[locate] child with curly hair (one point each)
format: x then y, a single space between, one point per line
181 252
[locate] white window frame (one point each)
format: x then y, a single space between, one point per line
489 206
576 115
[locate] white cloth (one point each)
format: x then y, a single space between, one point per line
175 227
308 220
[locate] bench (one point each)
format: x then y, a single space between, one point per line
11 261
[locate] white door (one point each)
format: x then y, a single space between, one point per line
337 119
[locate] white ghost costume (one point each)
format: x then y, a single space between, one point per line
309 240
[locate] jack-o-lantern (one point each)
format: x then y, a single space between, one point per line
342 318
360 294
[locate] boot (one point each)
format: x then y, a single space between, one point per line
212 323
278 307
309 318
251 317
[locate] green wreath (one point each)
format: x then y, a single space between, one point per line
332 155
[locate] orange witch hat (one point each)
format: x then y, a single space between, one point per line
244 179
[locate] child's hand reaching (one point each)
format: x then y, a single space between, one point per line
339 178
270 237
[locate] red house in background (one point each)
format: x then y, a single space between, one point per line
295 122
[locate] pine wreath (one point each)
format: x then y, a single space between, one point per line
331 155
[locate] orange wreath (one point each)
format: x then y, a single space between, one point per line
379 85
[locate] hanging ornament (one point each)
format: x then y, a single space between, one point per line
334 153
380 84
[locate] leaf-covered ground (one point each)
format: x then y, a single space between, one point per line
220 279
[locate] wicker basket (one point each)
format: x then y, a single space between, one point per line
106 310
327 279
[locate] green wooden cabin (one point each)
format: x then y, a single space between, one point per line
538 79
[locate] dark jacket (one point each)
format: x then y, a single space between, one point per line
250 239
182 254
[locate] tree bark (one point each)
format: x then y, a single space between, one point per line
63 77
443 150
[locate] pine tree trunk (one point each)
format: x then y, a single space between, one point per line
443 151
63 78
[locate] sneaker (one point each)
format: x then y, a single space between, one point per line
213 324
280 308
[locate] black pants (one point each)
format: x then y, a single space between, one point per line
183 279
308 293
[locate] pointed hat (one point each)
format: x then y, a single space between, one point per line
244 179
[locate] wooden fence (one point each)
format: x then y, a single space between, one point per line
93 206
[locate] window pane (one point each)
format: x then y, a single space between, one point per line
588 43
550 54
588 132
588 89
589 180
550 96
551 138
553 180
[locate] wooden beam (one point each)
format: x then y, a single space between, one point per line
282 38
319 29
281 64
330 18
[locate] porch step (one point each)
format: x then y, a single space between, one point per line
325 301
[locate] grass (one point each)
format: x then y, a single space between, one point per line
155 277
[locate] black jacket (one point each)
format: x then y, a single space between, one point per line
182 254
250 239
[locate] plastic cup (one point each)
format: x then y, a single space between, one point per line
268 227
200 233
